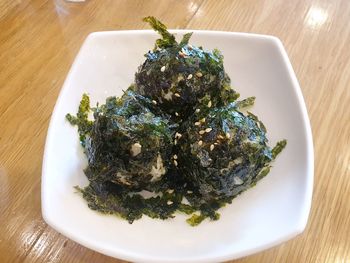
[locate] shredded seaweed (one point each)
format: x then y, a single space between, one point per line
81 120
278 148
178 75
175 141
167 40
248 102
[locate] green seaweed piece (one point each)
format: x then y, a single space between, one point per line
167 40
248 102
278 148
185 39
195 219
81 120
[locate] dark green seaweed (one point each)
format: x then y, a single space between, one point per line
175 141
178 76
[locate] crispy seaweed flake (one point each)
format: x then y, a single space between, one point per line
81 120
175 141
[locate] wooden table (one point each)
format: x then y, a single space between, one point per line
38 42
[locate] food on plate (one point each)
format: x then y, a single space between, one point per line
178 139
178 75
128 144
223 151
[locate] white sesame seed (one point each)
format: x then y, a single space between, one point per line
200 143
154 102
170 191
177 114
136 149
177 95
199 74
197 123
175 142
201 131
170 202
208 129
212 147
209 104
178 135
175 156
220 137
189 76
215 143
189 192
198 110
228 136
162 69
238 160
237 180
180 77
175 162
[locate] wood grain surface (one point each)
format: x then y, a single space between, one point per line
38 42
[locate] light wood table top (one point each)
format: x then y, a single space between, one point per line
38 42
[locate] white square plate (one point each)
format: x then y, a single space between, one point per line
268 214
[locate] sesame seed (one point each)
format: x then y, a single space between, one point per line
212 147
175 162
215 143
197 123
189 76
220 137
177 114
170 191
199 74
198 110
200 143
208 129
170 202
178 135
177 95
162 69
136 149
209 104
237 180
180 77
175 156
201 131
154 102
228 136
202 120
189 192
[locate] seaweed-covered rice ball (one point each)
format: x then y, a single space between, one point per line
224 152
129 145
178 75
